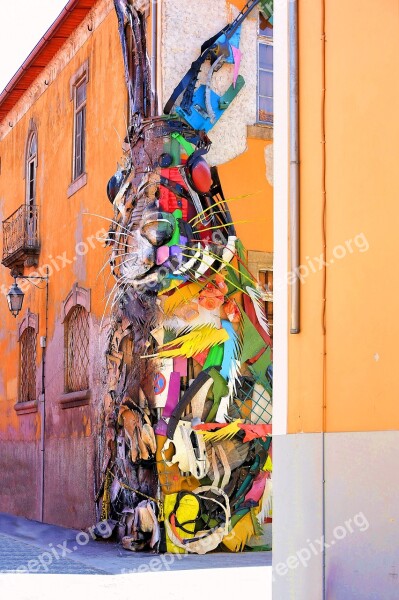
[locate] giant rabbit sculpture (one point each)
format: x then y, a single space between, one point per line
185 429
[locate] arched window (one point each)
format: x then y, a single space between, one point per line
77 350
31 165
27 379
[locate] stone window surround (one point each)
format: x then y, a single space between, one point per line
82 74
29 320
77 296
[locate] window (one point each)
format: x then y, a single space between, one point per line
78 95
77 350
76 319
27 378
31 163
265 71
79 154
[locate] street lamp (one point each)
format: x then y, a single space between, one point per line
15 296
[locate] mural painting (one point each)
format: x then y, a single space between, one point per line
185 444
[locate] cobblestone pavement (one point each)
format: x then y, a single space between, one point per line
58 550
18 557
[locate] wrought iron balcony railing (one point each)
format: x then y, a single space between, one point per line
21 235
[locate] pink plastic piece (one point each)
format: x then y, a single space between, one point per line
173 394
180 365
237 54
162 254
258 487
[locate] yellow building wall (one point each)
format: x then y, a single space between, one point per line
362 131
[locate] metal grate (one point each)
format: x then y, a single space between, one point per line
28 365
253 403
77 350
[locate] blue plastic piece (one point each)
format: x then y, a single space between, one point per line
233 41
199 118
228 356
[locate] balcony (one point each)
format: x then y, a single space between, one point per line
21 242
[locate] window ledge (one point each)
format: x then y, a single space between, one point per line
260 131
73 399
77 184
24 408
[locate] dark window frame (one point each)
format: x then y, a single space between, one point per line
27 365
79 129
79 142
77 359
31 170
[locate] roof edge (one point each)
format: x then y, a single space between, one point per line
42 43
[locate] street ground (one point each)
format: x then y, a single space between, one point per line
43 554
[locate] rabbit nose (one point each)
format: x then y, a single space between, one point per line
158 227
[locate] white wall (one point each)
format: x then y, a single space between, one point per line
197 22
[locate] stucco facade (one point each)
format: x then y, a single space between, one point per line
339 418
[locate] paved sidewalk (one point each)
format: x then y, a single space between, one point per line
33 547
15 556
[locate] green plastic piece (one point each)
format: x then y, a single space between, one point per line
232 92
255 523
215 357
253 341
258 369
220 389
238 515
264 548
169 335
172 147
183 142
266 6
245 276
175 239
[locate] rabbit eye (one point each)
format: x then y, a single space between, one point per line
200 175
114 185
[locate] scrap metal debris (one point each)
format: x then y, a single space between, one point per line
185 429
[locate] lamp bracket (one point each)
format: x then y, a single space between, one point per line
16 272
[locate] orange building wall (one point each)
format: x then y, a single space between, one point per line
63 223
250 196
362 131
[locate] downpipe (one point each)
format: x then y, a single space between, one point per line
42 405
294 163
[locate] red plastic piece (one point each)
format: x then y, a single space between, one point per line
201 176
168 201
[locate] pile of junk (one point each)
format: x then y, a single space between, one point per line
185 433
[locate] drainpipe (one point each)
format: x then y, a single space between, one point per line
294 163
43 344
154 50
